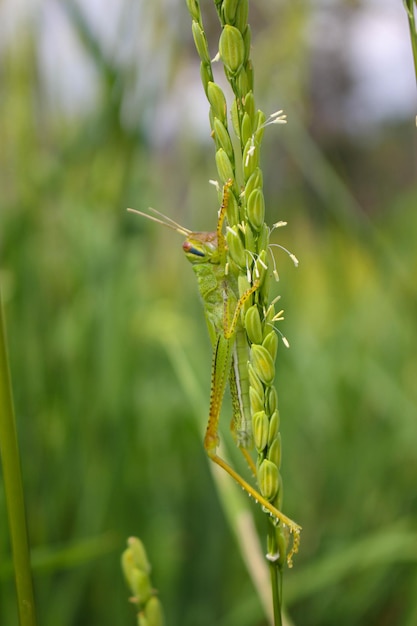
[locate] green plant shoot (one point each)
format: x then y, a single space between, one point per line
227 302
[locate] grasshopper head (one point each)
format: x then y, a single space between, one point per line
201 248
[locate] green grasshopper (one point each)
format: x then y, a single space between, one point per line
207 252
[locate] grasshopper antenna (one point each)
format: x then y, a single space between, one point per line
164 220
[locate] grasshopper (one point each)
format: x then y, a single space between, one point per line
223 306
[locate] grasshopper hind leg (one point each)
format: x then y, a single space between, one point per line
277 516
221 368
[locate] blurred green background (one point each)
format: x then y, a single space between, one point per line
110 360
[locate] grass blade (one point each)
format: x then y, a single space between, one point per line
14 490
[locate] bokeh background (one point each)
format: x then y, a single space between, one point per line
101 108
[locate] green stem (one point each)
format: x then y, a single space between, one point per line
413 32
9 451
275 570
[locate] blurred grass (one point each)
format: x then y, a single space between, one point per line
109 437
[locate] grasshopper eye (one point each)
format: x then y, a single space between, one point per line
201 248
190 249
